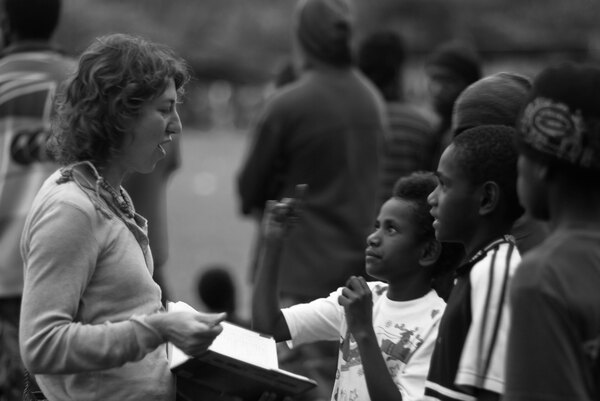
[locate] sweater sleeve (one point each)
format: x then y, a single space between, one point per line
60 250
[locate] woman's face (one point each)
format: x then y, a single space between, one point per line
157 122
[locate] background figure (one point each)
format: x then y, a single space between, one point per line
217 291
149 195
498 100
325 130
554 341
410 141
286 74
31 69
450 68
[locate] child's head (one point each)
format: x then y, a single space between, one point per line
403 242
477 176
559 136
216 289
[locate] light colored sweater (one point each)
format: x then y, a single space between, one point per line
88 286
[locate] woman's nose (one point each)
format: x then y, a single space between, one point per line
175 126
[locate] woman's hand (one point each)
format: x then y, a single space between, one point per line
191 332
357 301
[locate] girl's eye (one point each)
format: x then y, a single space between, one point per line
391 229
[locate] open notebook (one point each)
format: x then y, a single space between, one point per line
239 362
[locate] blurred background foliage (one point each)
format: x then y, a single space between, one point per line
237 46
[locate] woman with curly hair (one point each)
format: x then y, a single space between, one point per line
92 323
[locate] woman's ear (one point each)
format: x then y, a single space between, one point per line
490 196
430 253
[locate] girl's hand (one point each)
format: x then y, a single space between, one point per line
357 301
280 217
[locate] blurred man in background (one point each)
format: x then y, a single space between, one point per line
323 130
31 69
410 141
450 68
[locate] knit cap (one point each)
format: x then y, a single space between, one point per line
561 121
459 58
493 100
324 29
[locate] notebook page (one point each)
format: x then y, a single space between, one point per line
246 345
234 341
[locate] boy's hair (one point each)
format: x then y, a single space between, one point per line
33 19
488 153
116 76
415 188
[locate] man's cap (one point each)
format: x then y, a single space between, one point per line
561 120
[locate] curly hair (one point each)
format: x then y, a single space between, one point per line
489 153
116 76
415 188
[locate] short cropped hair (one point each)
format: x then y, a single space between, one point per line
33 19
415 188
116 76
488 153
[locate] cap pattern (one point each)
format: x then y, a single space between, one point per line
552 128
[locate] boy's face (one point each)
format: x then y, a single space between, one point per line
444 88
530 188
454 202
393 249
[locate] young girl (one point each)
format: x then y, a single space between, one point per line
386 328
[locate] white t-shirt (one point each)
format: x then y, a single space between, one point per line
406 333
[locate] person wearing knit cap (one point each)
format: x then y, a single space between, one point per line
495 99
410 141
323 30
450 68
498 99
324 130
554 340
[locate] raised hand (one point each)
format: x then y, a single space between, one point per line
357 301
280 217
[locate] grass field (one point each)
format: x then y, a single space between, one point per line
205 226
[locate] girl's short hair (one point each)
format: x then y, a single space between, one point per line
117 74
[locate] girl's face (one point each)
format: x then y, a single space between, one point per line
151 131
393 249
454 202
